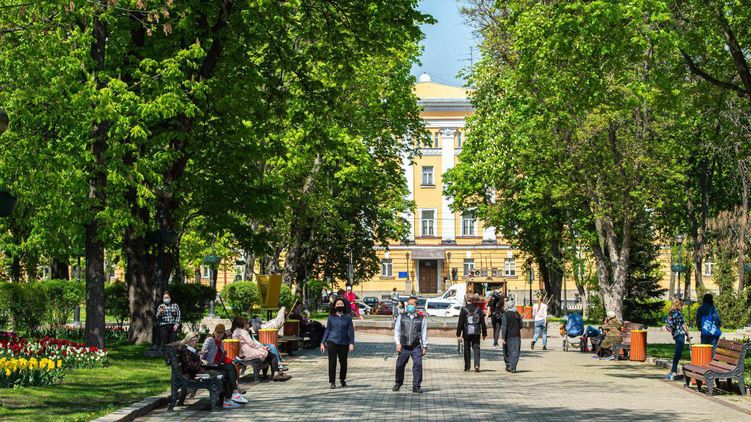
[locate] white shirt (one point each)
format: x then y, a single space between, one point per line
540 311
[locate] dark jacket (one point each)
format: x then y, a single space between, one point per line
496 306
339 330
189 362
704 310
463 314
512 324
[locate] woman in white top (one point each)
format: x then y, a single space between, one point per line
540 312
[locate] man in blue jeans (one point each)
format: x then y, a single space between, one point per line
411 338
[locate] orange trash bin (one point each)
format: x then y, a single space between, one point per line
524 311
269 336
701 354
292 327
231 348
638 345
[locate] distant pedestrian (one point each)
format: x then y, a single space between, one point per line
470 327
708 321
411 338
352 299
339 339
676 324
540 312
496 305
512 336
168 319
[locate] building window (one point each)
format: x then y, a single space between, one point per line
708 268
427 176
387 268
428 222
436 139
469 266
458 139
205 273
469 218
509 267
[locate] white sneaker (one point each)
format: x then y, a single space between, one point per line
229 404
238 398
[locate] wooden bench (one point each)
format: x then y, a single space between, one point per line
625 345
728 363
289 344
180 384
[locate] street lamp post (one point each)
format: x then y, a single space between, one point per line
212 260
678 267
531 278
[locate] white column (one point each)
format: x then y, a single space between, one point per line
448 233
409 174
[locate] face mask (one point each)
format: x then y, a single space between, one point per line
340 308
167 301
411 308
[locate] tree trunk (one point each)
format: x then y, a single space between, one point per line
743 237
59 268
95 327
141 296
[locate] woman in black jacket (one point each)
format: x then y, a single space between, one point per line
470 326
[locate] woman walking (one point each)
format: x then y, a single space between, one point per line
339 338
352 299
540 312
511 334
677 326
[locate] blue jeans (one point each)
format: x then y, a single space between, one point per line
541 327
710 340
680 341
273 351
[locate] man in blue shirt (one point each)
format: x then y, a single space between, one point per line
411 338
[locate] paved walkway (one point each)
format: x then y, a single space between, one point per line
550 385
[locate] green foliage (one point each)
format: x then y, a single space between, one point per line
116 303
596 308
193 300
62 297
641 302
26 304
732 306
241 297
286 297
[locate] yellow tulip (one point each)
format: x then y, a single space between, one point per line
59 363
7 372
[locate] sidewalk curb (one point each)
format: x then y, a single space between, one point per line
136 410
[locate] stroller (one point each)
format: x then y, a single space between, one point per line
573 333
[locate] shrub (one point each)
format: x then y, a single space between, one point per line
26 305
596 307
4 312
286 297
241 296
732 306
116 303
193 300
62 297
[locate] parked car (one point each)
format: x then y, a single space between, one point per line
371 301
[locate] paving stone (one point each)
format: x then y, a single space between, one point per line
550 385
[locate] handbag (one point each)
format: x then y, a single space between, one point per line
708 325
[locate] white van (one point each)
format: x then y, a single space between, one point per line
449 304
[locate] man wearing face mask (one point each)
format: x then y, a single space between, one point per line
411 338
168 319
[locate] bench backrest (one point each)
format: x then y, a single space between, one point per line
170 358
731 353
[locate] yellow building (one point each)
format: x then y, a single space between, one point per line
443 247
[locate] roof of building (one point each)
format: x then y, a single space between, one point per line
435 96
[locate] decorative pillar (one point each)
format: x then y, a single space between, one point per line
448 220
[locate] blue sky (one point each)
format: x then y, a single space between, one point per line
447 43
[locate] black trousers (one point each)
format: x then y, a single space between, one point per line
496 329
340 351
166 334
474 343
229 374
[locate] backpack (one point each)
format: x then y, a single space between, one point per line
708 324
472 326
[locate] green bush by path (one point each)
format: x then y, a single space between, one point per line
240 297
62 297
26 305
116 303
86 394
193 300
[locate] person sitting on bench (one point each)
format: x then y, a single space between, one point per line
192 364
251 349
613 336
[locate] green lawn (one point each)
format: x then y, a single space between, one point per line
87 394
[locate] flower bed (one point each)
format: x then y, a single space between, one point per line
21 372
71 354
